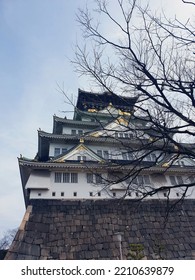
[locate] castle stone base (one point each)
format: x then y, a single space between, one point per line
105 229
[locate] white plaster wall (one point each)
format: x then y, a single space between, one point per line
113 151
58 145
68 130
38 179
82 188
40 194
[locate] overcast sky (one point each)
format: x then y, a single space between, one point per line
36 39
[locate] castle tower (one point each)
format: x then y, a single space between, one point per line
86 183
91 156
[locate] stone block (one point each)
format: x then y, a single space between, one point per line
99 247
45 252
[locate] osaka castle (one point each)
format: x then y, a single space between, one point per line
103 153
102 187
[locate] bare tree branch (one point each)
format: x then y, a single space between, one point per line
153 59
188 2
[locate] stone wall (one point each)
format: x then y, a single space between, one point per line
88 229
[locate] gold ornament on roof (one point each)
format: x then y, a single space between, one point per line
166 164
121 121
122 113
92 110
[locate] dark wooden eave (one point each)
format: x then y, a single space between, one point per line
106 165
59 123
90 100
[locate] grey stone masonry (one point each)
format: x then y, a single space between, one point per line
89 229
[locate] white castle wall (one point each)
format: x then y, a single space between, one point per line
45 187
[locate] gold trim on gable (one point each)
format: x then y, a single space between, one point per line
122 121
123 113
80 148
95 134
166 164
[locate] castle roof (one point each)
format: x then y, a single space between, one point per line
58 124
98 101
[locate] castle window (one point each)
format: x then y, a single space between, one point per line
191 179
114 194
106 155
94 178
80 132
89 178
146 180
99 152
66 177
64 150
179 180
176 180
81 158
56 152
99 193
62 193
74 193
173 180
53 194
150 157
142 180
98 179
90 194
73 131
74 177
58 177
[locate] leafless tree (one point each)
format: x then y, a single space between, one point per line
7 239
151 57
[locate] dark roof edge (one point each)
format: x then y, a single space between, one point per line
80 91
68 164
71 121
